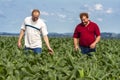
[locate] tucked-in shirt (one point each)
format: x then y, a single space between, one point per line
33 31
86 34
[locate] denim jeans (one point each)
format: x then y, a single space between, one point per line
35 50
87 50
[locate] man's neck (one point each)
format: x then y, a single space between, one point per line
87 23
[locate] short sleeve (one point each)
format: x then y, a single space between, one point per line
23 25
97 30
76 34
44 29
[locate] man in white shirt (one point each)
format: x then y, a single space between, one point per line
32 27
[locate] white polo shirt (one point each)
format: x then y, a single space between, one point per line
33 31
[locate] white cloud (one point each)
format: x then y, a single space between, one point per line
109 11
100 19
44 20
52 14
6 0
62 16
98 7
9 0
2 14
88 7
44 13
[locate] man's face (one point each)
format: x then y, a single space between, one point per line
35 16
84 20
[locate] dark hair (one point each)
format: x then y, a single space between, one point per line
35 10
84 14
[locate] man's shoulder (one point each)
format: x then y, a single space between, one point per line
41 21
91 22
79 25
28 17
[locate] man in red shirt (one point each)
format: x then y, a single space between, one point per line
87 34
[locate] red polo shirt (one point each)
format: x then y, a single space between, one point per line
86 34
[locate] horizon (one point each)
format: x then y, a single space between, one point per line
56 32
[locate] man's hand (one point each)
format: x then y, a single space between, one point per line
20 38
76 48
50 51
76 41
93 45
19 45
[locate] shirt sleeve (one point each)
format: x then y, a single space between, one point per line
44 29
23 25
97 30
76 34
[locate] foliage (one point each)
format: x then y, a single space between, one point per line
65 64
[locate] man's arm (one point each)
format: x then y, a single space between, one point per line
20 38
93 45
76 43
47 43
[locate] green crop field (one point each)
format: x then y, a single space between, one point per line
65 64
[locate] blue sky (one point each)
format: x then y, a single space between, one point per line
61 16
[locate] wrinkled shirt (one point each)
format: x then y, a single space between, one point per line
33 31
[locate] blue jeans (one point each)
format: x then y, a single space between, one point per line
35 50
87 50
